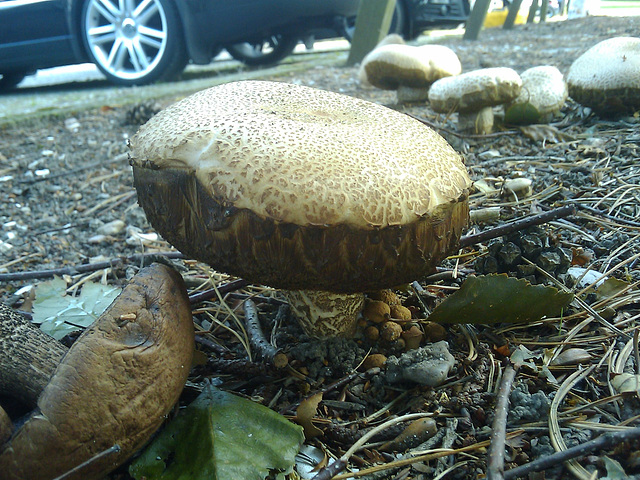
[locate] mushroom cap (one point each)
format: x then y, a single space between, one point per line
300 188
544 89
607 76
472 91
389 66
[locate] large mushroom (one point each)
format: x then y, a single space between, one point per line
607 77
474 94
410 70
301 189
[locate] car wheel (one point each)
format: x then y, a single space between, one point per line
268 52
134 42
10 80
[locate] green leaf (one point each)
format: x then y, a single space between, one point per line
60 314
500 298
521 114
221 436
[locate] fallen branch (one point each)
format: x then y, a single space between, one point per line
257 339
85 268
28 356
606 440
495 462
517 225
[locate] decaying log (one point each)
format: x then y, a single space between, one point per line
28 357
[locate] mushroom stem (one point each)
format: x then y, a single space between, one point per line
323 314
480 122
407 94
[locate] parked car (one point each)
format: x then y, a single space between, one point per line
139 41
134 42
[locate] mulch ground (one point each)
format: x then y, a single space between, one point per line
68 202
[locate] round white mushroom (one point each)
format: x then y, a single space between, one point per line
606 77
391 39
473 94
410 70
544 93
301 189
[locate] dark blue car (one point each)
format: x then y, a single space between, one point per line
135 42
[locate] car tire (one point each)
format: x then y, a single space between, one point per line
268 52
9 81
134 47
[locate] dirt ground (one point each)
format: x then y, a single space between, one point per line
68 200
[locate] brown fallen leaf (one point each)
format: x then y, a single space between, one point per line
544 133
305 413
414 434
115 385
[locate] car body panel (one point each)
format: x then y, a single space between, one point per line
38 34
230 22
25 46
424 14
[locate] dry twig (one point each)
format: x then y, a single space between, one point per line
495 463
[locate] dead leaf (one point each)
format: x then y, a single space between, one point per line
305 413
544 133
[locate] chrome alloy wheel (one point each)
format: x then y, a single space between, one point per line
126 38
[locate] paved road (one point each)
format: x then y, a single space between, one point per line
66 89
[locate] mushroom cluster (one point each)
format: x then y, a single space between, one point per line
304 190
410 70
606 77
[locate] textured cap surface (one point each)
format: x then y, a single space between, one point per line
607 76
474 90
304 156
299 188
390 66
544 88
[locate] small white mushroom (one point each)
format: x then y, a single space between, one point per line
606 77
408 69
473 94
543 94
301 189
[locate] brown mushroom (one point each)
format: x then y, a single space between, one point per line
410 70
301 189
474 94
114 386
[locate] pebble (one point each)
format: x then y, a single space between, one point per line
112 228
100 239
429 365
